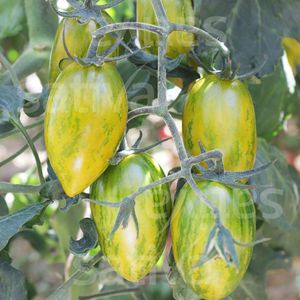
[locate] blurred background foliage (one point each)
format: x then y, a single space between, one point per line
41 249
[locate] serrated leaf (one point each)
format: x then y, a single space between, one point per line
11 224
89 239
279 202
271 95
252 29
12 282
12 18
11 101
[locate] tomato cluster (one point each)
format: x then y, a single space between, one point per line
85 122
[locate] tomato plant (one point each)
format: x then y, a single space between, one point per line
178 11
84 123
116 201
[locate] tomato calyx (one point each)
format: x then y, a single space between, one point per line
231 179
87 12
221 243
215 170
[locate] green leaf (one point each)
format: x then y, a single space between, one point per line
271 100
11 101
278 196
12 17
11 224
139 83
286 239
89 239
3 207
12 282
174 67
252 29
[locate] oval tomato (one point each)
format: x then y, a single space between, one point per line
178 11
131 256
191 224
220 114
78 38
85 120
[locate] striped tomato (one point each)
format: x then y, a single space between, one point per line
191 224
78 38
178 11
85 120
131 256
220 114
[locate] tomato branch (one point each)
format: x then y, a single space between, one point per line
111 293
21 150
18 125
15 131
19 188
101 32
202 34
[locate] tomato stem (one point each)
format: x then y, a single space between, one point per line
21 150
19 188
12 132
16 122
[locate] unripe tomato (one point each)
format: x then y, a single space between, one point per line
78 38
85 120
220 114
178 11
191 224
130 255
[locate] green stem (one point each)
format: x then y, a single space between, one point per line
20 151
28 139
19 188
30 61
111 293
12 132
